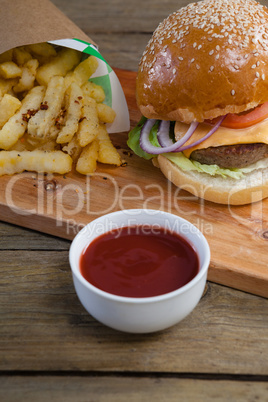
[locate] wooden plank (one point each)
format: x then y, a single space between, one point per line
14 237
115 389
90 16
62 205
43 327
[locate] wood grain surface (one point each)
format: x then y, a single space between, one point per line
51 349
134 388
62 205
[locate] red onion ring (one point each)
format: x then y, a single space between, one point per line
163 134
151 149
214 128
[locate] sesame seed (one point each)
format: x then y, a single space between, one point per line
257 75
232 92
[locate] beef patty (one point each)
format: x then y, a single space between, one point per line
231 156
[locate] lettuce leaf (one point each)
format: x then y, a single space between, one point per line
188 164
134 139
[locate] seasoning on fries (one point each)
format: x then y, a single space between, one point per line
51 116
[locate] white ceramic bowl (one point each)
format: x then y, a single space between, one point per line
139 315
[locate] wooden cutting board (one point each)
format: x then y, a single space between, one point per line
62 205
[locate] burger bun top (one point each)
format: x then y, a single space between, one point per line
207 59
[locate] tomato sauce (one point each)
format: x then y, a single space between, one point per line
139 261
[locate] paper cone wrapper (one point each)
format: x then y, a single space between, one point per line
24 22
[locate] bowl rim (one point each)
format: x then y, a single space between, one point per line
139 300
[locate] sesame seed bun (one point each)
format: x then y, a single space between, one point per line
207 59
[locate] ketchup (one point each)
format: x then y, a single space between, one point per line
139 261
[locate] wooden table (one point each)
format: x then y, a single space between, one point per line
51 349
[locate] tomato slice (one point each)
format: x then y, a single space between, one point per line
246 119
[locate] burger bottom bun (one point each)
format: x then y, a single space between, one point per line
253 187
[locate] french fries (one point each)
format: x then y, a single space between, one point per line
74 106
107 152
20 55
12 162
89 126
94 91
65 61
51 116
9 69
87 161
16 126
41 123
82 71
7 85
8 106
105 113
28 73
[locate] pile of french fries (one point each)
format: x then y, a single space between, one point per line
51 116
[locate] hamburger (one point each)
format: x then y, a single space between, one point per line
202 90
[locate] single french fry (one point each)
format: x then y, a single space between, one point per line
8 106
26 81
105 113
73 114
40 124
85 69
9 69
87 161
16 126
38 161
82 72
65 61
89 125
94 91
107 152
